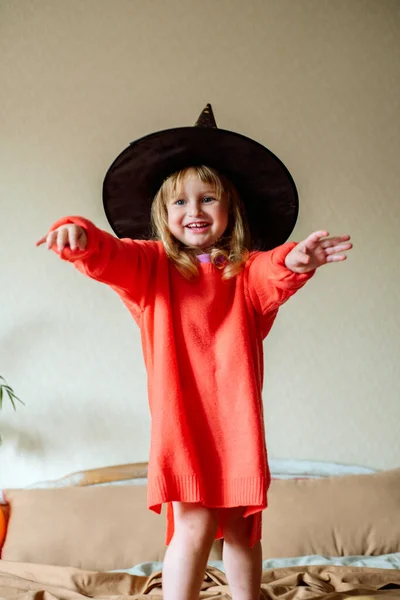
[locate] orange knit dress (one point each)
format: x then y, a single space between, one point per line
202 343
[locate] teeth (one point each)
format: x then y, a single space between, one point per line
197 225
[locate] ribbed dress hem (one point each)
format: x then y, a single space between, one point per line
247 492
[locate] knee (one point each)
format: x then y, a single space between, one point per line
236 527
195 522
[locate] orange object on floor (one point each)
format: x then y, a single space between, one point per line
3 526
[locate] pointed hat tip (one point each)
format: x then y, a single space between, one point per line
206 119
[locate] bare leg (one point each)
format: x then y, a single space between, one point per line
243 565
186 557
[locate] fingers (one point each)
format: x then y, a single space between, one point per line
332 245
48 239
335 257
318 234
41 241
73 237
333 241
338 248
62 239
335 253
314 238
67 235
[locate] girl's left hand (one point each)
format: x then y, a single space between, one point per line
317 250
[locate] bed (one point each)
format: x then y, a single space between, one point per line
330 532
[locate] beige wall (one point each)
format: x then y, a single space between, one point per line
317 81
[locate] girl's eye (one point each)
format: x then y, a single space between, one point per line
179 202
208 199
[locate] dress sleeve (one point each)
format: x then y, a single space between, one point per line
125 265
270 282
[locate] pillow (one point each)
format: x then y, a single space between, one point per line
95 528
131 473
333 516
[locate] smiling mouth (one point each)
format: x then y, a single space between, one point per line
198 226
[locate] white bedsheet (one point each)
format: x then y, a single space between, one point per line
290 468
387 561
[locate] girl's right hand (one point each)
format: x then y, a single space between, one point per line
66 235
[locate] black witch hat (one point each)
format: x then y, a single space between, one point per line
265 186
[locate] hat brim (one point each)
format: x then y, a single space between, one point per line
263 182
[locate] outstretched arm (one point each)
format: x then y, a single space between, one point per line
274 276
124 264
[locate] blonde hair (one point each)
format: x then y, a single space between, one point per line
230 252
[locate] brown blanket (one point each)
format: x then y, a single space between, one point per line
23 581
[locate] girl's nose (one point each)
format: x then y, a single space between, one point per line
195 209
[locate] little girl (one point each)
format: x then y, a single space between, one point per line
204 300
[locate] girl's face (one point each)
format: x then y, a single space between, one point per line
196 217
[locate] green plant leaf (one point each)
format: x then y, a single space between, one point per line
12 401
7 387
10 393
15 398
